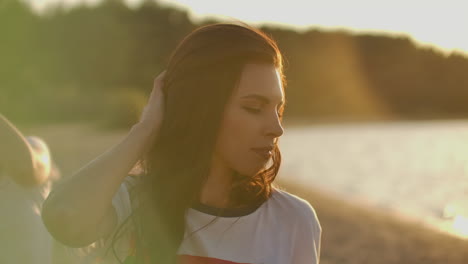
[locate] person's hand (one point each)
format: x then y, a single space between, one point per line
153 113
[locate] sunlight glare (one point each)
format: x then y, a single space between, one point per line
460 225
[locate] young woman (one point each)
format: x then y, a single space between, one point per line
207 146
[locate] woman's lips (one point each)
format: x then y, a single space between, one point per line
263 153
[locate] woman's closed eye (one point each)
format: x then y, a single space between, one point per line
252 110
257 111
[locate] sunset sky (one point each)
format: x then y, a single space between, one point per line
443 24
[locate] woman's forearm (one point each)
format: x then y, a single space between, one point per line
76 209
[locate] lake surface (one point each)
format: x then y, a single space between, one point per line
418 170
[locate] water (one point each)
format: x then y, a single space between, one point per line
416 170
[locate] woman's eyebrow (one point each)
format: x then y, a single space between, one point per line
261 98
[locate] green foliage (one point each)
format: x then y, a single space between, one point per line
98 63
123 108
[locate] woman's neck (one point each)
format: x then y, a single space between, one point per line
215 191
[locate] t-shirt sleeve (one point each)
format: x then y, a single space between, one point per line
308 234
99 252
121 202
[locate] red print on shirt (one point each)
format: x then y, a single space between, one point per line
187 259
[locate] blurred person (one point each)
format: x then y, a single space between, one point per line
206 147
26 173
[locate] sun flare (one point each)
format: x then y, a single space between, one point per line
460 225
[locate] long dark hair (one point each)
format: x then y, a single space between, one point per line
202 73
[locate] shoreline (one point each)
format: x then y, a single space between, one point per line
355 234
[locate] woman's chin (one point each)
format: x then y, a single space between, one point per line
252 171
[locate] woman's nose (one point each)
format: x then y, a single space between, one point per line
275 128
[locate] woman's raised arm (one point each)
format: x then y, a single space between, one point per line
79 210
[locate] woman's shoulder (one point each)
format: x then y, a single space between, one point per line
293 205
283 196
298 213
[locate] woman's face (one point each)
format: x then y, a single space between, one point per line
251 120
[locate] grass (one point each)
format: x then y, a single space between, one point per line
351 233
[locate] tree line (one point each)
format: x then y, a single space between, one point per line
97 63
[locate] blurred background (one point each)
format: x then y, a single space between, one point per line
352 63
377 93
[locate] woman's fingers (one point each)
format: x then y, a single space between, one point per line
153 112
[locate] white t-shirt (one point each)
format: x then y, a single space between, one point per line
23 237
284 229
